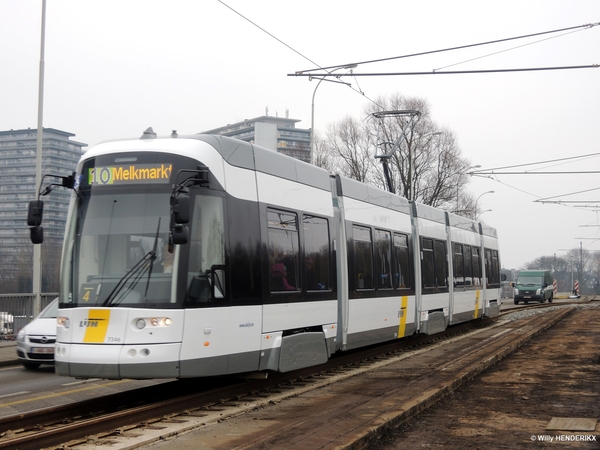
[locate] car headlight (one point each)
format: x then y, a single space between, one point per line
21 336
538 292
516 291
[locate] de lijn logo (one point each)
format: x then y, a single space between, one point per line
90 323
141 173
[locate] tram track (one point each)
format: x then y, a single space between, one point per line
204 400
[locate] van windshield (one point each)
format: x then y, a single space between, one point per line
530 281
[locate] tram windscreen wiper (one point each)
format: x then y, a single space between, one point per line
152 257
134 275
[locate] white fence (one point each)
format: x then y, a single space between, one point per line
16 311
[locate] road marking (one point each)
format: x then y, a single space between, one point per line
16 393
60 394
74 383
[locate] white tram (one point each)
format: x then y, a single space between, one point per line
204 255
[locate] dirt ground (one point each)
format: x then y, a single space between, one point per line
510 405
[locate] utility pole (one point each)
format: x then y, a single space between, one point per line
37 248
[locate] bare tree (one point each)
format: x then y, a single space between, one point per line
323 157
424 160
349 146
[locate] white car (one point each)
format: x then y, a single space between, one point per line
35 341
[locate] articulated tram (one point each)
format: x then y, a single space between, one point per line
205 255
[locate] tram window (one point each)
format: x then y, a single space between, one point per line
316 253
458 264
441 269
363 257
491 267
383 259
488 265
206 249
401 268
495 268
283 250
476 267
468 265
427 263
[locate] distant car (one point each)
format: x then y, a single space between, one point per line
35 341
6 325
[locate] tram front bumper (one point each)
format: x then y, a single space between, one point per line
118 361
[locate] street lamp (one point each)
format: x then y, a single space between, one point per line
312 110
478 215
477 200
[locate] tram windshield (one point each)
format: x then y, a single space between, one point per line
117 250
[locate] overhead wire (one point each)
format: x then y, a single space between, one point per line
588 26
495 169
451 72
273 36
508 49
328 72
493 173
538 198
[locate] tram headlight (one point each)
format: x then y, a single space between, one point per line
62 321
154 322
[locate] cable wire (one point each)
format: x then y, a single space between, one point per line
328 72
507 50
476 172
589 25
450 72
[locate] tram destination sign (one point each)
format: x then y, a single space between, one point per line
129 174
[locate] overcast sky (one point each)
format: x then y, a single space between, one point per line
115 67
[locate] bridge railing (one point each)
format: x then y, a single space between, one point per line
16 311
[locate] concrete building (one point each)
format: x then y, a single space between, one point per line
275 133
18 187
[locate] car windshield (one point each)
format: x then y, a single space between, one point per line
50 311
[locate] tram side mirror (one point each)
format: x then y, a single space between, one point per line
503 277
36 234
35 213
181 209
179 234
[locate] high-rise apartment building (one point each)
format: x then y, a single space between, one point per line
276 133
17 187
